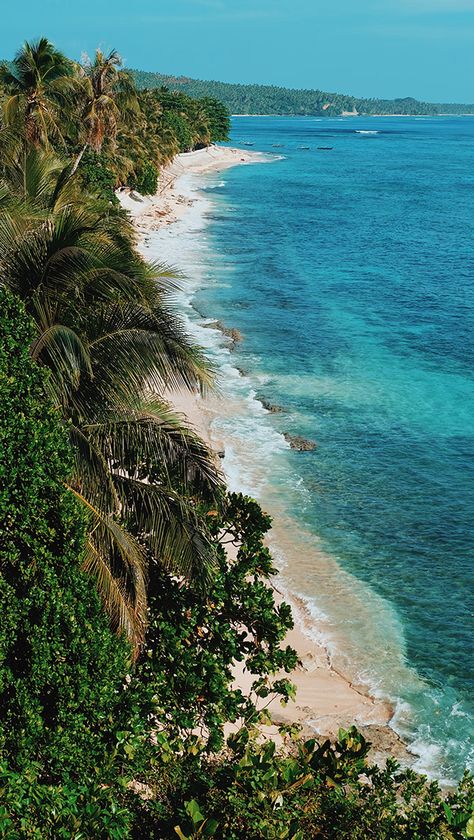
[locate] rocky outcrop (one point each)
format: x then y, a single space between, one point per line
301 444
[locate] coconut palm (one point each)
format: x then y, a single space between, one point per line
107 332
38 87
108 93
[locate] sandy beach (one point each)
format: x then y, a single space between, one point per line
325 699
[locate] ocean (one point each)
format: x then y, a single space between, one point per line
349 272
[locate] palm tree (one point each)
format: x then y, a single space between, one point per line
108 92
38 86
108 334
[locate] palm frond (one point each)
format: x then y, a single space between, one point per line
123 615
170 527
120 561
149 347
151 438
93 475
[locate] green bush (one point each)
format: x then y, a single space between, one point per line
218 117
306 791
97 177
195 638
63 691
30 808
145 180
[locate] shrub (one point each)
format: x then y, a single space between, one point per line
195 638
307 791
145 180
35 810
218 117
63 694
96 176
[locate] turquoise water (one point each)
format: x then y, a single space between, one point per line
350 274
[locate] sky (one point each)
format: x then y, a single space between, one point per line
380 48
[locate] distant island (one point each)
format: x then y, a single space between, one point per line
270 99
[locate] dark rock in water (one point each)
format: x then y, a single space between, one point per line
229 332
271 407
232 333
299 443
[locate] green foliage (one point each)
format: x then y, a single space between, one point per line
198 825
195 638
145 180
305 791
163 124
218 116
62 673
179 126
97 177
270 99
33 809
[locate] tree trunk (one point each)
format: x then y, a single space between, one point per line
78 159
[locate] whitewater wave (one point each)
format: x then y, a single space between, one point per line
217 185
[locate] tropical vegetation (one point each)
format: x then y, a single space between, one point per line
271 99
124 613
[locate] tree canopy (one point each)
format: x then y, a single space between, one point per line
270 99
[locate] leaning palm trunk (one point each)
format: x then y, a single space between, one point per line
78 159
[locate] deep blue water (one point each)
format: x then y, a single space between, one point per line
350 274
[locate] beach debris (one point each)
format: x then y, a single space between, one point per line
301 444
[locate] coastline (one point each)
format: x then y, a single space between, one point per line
325 699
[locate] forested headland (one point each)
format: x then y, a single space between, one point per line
270 99
122 615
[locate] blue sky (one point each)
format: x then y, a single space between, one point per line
422 48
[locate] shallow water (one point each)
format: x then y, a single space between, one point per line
350 275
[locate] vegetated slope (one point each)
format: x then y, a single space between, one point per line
455 108
269 99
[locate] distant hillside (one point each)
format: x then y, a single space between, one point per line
268 99
454 108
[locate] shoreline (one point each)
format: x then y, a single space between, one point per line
326 699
